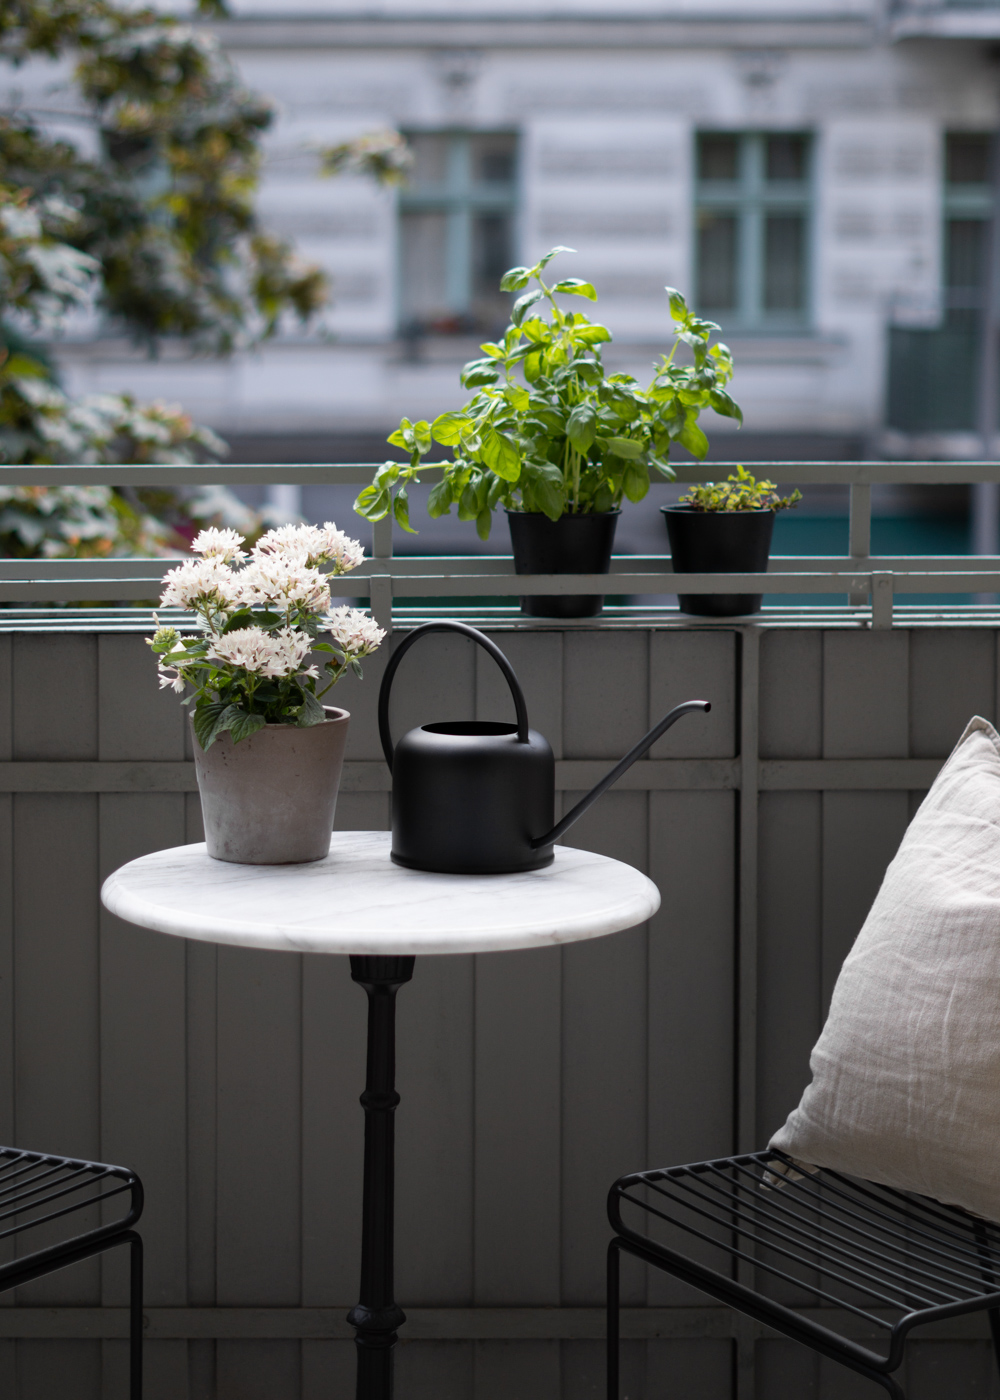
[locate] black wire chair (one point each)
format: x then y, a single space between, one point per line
773 1240
42 1193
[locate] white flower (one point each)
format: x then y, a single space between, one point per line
200 581
353 631
218 544
311 545
345 553
270 654
283 583
170 677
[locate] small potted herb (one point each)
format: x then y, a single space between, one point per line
724 527
554 438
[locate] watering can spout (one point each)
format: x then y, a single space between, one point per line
644 744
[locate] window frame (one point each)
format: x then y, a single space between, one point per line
459 199
751 198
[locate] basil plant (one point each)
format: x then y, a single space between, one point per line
548 429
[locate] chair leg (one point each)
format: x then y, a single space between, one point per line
135 1318
612 1342
994 1316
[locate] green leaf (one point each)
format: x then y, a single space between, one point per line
581 427
478 373
494 351
484 520
523 305
575 286
440 500
591 334
692 437
500 454
678 306
553 252
628 448
514 279
401 511
310 712
517 397
372 504
212 719
242 725
448 427
725 404
636 482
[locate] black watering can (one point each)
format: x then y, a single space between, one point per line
474 797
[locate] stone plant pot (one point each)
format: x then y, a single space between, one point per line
719 542
271 799
573 544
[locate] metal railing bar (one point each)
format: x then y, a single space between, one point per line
908 1249
761 1223
55 1196
769 1268
66 1210
947 1227
939 473
728 1225
9 1184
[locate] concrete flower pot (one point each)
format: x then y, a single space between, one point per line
270 800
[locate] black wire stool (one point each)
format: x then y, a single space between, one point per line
819 1240
37 1189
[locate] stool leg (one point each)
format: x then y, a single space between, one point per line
612 1343
135 1318
377 1315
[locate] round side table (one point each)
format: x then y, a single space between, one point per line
357 902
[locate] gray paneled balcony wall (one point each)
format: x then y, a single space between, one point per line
230 1078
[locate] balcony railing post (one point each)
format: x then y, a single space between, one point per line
381 582
860 532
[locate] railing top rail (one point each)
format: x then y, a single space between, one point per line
359 473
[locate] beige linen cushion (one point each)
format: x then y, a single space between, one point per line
906 1073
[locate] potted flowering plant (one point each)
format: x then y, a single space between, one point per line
724 527
554 438
268 753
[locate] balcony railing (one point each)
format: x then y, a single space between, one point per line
871 583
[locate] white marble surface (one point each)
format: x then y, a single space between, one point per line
357 901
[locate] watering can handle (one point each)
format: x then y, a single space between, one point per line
520 707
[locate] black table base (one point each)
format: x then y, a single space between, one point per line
376 1316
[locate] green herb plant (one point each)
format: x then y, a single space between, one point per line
740 491
548 429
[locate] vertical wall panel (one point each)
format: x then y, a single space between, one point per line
790 1006
201 978
143 1072
691 987
517 1127
537 659
606 692
259 1129
434 1126
56 991
865 694
861 834
265 1370
135 718
603 1057
694 666
527 1370
952 678
334 1012
55 696
435 682
791 694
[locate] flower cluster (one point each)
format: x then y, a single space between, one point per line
261 615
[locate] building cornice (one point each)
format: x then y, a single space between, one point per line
513 32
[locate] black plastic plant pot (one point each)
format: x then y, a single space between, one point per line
573 544
719 542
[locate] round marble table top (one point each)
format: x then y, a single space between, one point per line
357 901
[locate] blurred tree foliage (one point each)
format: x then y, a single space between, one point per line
149 221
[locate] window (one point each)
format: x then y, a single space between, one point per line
752 229
457 232
932 373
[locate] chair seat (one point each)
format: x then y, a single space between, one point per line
770 1245
51 1211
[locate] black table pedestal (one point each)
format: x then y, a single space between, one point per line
377 1315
